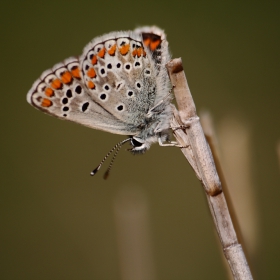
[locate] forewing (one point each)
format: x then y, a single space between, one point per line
61 92
120 76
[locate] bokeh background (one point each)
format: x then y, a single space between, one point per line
150 217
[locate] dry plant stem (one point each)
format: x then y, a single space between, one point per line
210 135
188 132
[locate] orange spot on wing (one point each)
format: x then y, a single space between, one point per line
147 42
94 60
76 72
139 51
49 92
112 50
91 73
56 84
154 44
124 49
91 85
101 53
46 103
66 77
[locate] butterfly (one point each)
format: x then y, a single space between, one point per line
119 84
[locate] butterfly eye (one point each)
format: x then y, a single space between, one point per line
138 147
135 143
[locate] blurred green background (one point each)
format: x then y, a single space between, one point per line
57 222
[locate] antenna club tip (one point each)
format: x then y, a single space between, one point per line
106 175
93 172
118 146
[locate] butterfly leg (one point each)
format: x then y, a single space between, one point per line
184 126
170 144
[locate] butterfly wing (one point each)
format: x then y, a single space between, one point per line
154 40
61 92
120 76
125 74
117 80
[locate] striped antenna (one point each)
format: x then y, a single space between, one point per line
118 147
106 174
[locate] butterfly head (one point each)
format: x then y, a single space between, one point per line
139 146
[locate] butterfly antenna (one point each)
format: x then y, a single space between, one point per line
117 146
106 174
